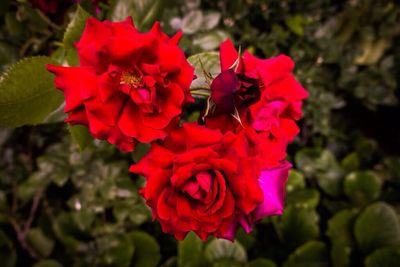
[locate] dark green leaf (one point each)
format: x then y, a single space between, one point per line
27 93
190 251
362 187
147 250
40 242
47 263
81 136
340 231
377 226
73 33
388 257
8 254
261 263
311 254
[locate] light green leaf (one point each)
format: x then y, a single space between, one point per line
73 33
190 251
40 242
147 250
211 40
340 229
27 93
81 136
143 12
223 250
376 227
311 254
206 63
192 22
211 20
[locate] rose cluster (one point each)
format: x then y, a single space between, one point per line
227 170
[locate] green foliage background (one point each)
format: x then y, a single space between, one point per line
61 206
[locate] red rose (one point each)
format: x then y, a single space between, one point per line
200 180
265 95
130 86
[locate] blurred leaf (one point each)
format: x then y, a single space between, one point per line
260 262
144 12
211 20
14 27
58 115
40 242
305 198
221 250
340 231
190 251
311 254
8 54
115 250
8 254
377 226
372 51
81 136
295 181
388 257
192 22
147 250
4 4
362 187
305 160
27 93
297 225
296 24
351 162
210 40
73 33
47 263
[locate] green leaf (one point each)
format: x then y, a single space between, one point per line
8 254
115 250
376 227
144 12
351 162
27 93
220 250
311 254
297 225
204 62
330 180
211 40
295 181
140 150
362 187
40 242
147 250
306 198
192 22
340 229
47 263
260 262
388 257
73 33
190 251
296 24
81 136
211 20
